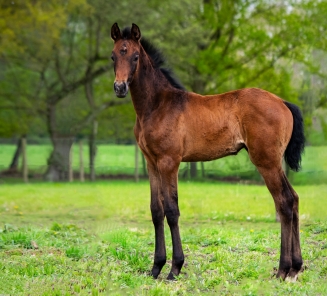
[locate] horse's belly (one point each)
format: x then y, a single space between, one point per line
211 152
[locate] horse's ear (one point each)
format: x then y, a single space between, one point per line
115 32
136 33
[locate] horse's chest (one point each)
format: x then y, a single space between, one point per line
155 140
144 137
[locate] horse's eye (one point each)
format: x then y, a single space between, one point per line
136 58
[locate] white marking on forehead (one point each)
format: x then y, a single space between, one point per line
123 49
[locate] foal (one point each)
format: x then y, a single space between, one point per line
174 125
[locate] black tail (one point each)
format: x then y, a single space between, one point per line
296 145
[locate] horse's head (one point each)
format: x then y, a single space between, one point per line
125 56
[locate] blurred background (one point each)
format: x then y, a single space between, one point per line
61 121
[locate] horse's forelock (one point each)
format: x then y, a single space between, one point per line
126 33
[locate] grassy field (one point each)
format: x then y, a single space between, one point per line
119 159
91 239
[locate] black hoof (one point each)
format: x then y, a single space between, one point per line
157 266
293 275
281 274
155 272
171 277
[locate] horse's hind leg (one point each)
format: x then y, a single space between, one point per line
284 202
296 249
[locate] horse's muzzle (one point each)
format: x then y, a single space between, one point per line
121 89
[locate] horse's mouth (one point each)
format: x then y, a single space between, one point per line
121 95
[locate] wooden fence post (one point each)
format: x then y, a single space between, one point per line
81 162
70 165
93 149
136 172
24 153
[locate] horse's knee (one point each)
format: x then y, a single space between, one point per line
157 211
172 216
157 216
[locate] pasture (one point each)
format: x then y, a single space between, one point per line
98 238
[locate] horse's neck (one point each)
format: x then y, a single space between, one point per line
146 88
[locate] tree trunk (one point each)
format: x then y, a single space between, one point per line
93 149
81 162
193 170
24 166
185 173
58 162
15 160
203 170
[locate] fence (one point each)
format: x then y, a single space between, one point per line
125 161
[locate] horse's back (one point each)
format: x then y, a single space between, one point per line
220 125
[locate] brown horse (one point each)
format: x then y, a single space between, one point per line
174 125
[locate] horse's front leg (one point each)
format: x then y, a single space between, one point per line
157 211
168 168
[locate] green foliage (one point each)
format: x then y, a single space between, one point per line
74 252
18 239
117 124
214 46
255 44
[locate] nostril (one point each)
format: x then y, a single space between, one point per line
123 87
117 87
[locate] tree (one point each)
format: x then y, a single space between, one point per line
31 33
54 57
59 61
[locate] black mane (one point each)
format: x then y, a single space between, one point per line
157 58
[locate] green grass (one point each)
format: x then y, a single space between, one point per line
119 159
91 239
